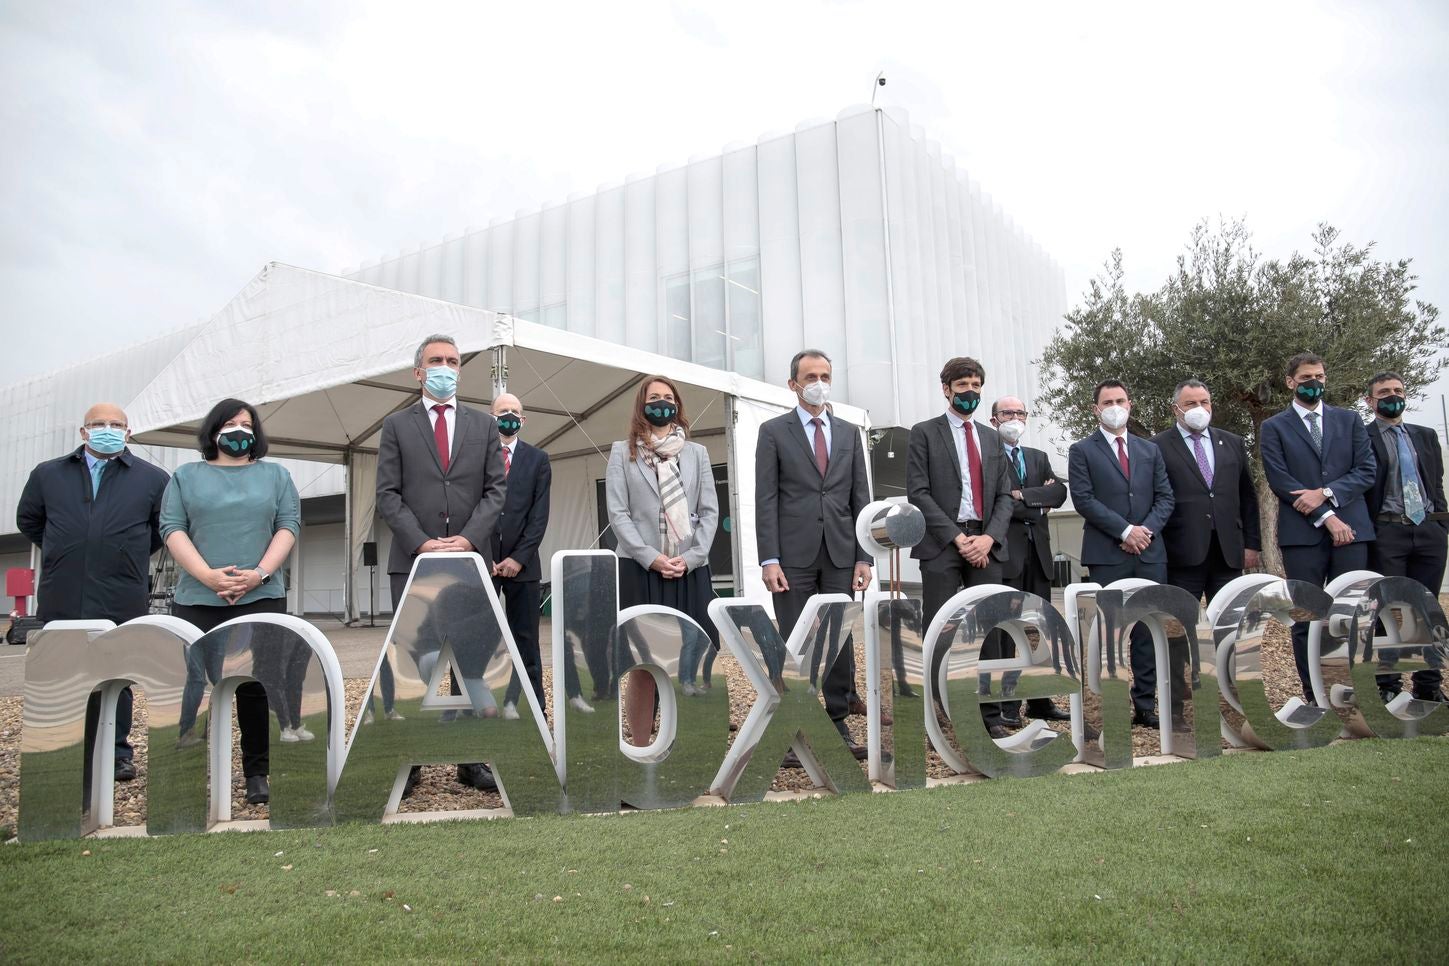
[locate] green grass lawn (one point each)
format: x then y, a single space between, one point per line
1334 854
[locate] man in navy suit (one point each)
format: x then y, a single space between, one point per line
1319 462
1119 485
1408 487
521 526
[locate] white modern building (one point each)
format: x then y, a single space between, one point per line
856 236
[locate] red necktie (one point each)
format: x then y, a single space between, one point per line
1122 457
973 463
507 461
440 434
822 455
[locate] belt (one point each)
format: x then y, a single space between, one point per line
972 528
1398 518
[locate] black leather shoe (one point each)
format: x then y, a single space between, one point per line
1385 695
1011 719
1429 696
997 731
1146 719
258 793
861 752
791 760
1055 714
477 776
125 771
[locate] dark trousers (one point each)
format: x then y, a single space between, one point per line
1203 580
1032 580
1401 550
1317 564
203 666
941 578
1143 657
821 577
521 606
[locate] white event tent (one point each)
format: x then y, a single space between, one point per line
326 359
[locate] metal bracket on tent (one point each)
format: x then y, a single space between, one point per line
499 372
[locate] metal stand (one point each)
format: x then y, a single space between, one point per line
372 597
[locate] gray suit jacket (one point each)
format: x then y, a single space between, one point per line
419 501
933 485
632 491
795 510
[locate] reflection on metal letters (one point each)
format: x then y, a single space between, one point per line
1190 686
787 712
895 660
1415 639
449 627
963 679
290 659
679 765
1239 630
65 661
585 621
1105 648
1331 653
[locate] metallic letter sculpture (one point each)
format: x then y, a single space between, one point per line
1416 639
449 622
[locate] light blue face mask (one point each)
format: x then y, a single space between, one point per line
442 382
106 441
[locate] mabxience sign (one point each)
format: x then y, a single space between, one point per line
929 683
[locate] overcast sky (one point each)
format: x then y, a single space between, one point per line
157 155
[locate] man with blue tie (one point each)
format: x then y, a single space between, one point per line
1408 487
1319 463
1119 485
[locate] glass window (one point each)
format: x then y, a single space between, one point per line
676 317
746 342
710 334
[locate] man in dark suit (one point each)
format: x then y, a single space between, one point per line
1408 486
440 482
517 572
1319 462
1035 489
94 515
1213 533
1119 485
810 485
956 475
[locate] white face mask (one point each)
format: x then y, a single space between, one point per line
1197 419
1012 431
1113 417
816 393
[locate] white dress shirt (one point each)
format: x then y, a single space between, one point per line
1112 445
967 510
450 415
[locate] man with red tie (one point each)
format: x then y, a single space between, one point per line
440 482
1119 485
958 477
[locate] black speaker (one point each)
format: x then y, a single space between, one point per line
369 554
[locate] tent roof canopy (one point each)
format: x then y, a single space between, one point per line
326 359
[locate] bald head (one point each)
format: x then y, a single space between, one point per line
507 406
1008 407
108 422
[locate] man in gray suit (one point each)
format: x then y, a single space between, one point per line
810 485
957 476
440 480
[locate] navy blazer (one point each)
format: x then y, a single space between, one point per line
1109 502
94 551
1347 467
524 519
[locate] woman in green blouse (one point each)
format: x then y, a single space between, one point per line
230 522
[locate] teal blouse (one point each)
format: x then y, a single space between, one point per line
231 514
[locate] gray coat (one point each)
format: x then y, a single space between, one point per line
933 485
419 501
632 489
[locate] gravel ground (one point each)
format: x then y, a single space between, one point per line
438 791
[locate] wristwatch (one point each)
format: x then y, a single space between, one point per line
266 577
1328 494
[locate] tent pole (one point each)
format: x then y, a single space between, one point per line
500 370
348 571
732 461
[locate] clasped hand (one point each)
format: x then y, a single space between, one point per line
1138 539
231 584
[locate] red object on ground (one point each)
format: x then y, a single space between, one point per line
20 584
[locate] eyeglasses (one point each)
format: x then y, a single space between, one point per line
105 425
1010 413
